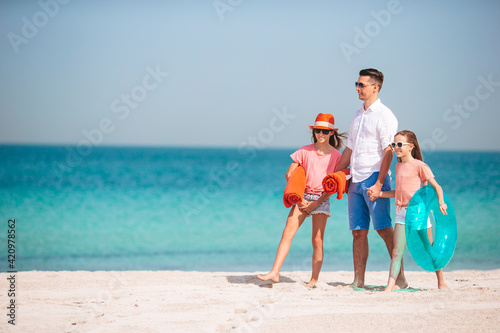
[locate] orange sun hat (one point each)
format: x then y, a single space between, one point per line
325 121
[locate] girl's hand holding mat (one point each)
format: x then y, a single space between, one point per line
336 183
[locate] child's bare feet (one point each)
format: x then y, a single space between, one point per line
269 276
440 278
311 284
391 285
442 285
401 283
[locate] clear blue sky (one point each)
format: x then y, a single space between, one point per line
241 72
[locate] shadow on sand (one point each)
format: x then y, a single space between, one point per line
348 285
252 279
338 284
371 288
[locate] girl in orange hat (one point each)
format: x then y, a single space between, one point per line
318 160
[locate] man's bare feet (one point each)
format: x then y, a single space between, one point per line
269 276
357 284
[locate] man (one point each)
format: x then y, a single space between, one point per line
369 153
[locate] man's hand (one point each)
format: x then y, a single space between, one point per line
373 195
374 191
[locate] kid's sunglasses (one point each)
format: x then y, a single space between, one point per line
319 130
399 144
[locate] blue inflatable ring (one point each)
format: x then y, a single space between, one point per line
423 205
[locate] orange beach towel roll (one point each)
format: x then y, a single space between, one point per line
336 183
294 189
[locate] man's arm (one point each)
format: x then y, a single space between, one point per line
345 159
384 168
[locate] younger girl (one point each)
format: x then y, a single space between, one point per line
411 174
318 160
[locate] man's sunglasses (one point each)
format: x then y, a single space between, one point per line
361 85
321 130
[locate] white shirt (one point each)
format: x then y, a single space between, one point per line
371 132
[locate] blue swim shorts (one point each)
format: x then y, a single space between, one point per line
361 208
323 208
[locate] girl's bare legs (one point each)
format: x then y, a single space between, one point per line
439 274
397 256
318 233
441 283
293 222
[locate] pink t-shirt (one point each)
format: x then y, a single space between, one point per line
410 176
316 166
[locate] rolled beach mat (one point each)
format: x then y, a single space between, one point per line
295 186
336 183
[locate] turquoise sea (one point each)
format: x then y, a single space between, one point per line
204 209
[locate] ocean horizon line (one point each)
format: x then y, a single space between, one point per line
214 147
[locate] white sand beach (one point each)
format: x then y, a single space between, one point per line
175 301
